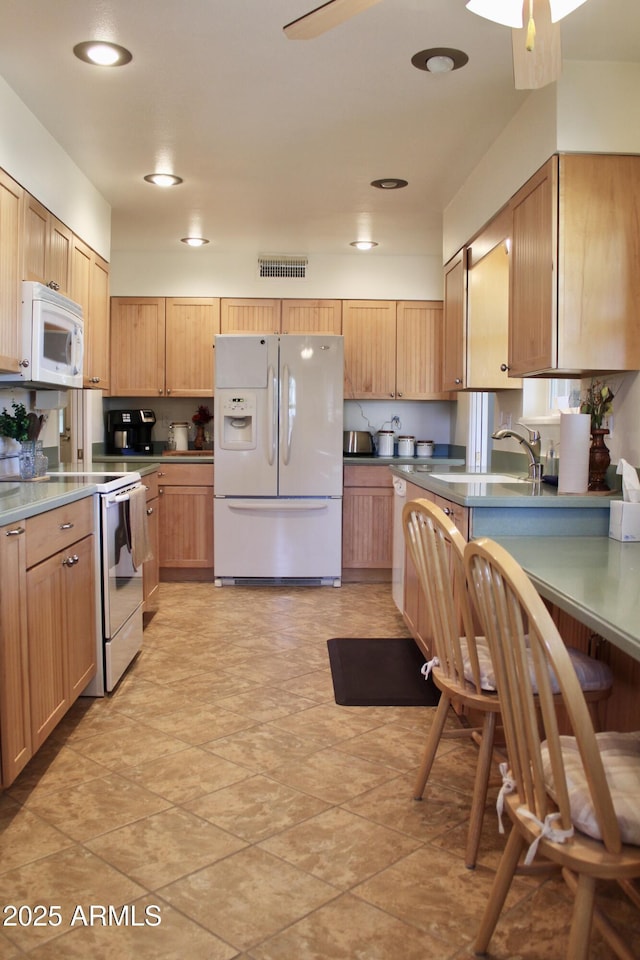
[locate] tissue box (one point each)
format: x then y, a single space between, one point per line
624 520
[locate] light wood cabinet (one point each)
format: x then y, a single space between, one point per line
151 567
47 626
476 310
280 316
574 282
163 347
186 521
90 288
11 222
392 349
15 707
46 247
367 518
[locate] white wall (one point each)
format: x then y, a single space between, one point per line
31 156
207 272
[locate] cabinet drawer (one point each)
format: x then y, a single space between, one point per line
57 529
367 476
151 484
186 474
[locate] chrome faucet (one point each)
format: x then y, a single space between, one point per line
531 445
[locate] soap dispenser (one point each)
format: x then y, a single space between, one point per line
551 464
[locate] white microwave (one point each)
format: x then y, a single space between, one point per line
52 339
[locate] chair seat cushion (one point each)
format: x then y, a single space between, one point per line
592 674
620 754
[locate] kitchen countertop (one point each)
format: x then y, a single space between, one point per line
594 579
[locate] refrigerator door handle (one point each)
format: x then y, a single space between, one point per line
288 386
272 419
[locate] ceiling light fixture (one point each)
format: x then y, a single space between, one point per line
363 244
389 183
194 241
101 53
439 59
509 12
163 179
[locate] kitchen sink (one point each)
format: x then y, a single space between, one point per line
477 478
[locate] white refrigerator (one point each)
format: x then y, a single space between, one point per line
278 415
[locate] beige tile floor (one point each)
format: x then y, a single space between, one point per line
221 790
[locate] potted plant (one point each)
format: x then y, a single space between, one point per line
14 428
598 403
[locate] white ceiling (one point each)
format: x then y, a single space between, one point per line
278 140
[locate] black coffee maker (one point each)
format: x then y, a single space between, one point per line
129 432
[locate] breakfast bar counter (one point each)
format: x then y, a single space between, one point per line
594 579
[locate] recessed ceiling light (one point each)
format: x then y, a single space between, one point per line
363 244
389 183
439 60
194 241
163 179
101 53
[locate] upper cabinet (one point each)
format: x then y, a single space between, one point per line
574 278
47 245
90 288
476 289
392 349
11 199
280 316
163 347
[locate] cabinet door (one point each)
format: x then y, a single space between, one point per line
11 212
367 518
455 323
415 610
15 710
96 343
249 316
369 329
80 616
186 528
58 255
48 666
311 316
46 247
137 346
419 332
488 307
533 301
191 325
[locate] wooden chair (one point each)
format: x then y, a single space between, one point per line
574 799
461 665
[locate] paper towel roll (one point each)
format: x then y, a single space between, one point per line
573 473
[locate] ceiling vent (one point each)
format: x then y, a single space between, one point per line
283 267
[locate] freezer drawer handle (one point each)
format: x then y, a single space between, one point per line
291 505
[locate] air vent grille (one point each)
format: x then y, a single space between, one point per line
287 267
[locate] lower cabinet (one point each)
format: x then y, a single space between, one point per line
367 518
151 567
48 626
185 497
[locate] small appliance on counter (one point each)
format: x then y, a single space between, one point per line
357 443
129 432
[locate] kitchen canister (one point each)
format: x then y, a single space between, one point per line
424 448
181 435
385 443
406 446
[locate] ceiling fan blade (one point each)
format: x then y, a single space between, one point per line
536 68
324 18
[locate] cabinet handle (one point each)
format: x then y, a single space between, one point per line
161 473
14 533
53 285
160 491
392 395
448 511
149 511
168 390
23 363
66 526
71 561
458 380
504 367
399 394
94 379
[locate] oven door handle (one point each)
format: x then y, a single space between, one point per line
121 497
